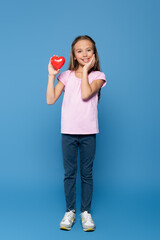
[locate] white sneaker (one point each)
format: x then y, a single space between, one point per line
87 222
68 220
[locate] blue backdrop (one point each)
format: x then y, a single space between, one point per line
126 169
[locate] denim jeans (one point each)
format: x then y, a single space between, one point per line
87 146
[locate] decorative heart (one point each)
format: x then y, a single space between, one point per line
57 62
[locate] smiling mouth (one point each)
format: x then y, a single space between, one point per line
85 60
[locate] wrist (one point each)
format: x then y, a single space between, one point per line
85 70
51 75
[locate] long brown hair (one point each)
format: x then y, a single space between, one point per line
73 64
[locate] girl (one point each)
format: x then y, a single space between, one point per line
79 123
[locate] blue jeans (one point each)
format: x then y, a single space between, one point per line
87 146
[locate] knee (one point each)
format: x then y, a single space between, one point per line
86 173
70 173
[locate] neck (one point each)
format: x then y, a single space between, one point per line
79 70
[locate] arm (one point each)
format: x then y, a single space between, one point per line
53 93
88 90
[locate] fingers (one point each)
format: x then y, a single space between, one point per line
93 58
54 56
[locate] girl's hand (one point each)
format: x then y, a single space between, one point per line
51 69
90 64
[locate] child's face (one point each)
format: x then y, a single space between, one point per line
83 51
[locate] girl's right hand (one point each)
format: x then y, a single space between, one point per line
51 69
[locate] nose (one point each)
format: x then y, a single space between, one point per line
84 53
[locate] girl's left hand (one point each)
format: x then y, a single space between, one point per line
90 64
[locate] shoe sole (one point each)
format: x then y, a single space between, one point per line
67 229
88 229
64 228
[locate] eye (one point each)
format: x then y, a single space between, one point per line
89 50
79 51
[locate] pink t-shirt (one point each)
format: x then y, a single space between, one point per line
79 116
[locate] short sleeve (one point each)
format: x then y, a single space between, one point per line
99 75
63 77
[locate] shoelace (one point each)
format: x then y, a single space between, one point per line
87 216
68 215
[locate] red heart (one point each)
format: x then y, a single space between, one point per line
57 62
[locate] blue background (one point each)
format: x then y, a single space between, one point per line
126 169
